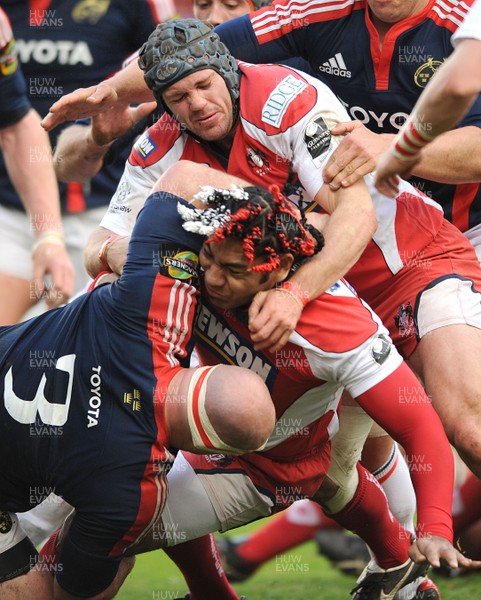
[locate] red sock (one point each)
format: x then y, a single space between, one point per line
49 553
285 531
200 565
328 523
368 515
469 495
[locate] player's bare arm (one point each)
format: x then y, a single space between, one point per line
49 255
273 315
105 251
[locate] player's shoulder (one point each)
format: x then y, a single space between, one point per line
282 18
275 97
161 217
449 15
155 142
337 321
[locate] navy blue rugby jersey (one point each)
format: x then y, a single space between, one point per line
82 390
67 44
14 103
378 86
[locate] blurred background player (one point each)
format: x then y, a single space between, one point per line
23 142
61 45
444 102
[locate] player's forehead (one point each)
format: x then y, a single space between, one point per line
190 82
245 4
227 252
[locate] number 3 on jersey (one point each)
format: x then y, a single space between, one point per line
50 413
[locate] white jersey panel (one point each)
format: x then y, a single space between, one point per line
135 187
307 409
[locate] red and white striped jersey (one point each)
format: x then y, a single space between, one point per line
285 118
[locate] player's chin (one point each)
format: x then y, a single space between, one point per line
220 302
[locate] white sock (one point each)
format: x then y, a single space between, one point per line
396 482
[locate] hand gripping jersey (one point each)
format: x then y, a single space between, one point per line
14 103
338 344
82 399
379 87
66 44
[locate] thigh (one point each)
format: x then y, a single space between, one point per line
448 361
224 494
16 241
347 445
204 500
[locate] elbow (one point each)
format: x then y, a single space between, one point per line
452 87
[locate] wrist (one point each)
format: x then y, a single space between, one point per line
49 237
94 150
411 139
291 288
104 249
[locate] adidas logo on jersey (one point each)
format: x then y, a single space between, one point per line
335 66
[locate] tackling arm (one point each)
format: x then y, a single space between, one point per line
352 223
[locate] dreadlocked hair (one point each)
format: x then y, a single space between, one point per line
265 223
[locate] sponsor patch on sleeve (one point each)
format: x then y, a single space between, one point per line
381 348
145 146
179 263
8 59
317 139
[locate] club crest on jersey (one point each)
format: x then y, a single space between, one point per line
177 263
404 320
222 460
317 139
145 146
423 75
90 11
380 348
257 161
280 98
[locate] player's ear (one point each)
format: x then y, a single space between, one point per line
286 262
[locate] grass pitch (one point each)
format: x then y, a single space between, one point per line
300 574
